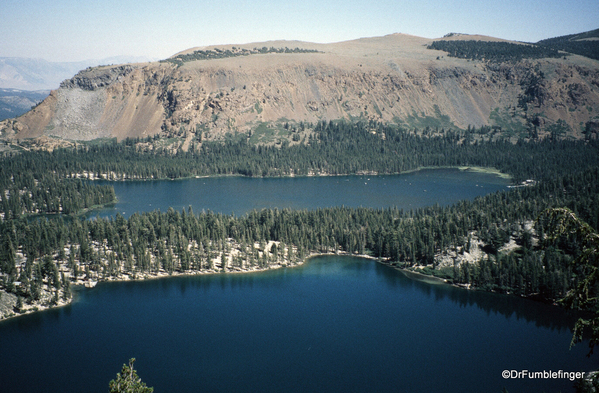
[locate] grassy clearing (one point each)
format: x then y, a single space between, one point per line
99 141
493 171
479 169
269 133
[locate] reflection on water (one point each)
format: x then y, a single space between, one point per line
348 323
543 315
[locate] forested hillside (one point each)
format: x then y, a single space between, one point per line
493 51
40 257
584 44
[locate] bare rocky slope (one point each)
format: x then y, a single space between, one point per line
394 78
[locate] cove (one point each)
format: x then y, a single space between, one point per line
334 324
239 195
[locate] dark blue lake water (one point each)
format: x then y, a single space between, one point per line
239 195
336 324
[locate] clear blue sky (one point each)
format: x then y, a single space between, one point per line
73 30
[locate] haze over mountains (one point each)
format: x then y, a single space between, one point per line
25 82
38 74
14 102
518 89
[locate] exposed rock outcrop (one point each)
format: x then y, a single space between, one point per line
96 78
392 78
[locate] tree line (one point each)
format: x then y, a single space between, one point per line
217 53
584 44
27 192
331 148
494 51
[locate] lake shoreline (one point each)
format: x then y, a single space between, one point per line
243 262
434 280
28 309
197 308
476 169
90 283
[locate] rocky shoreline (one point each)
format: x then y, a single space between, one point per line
12 305
8 301
236 262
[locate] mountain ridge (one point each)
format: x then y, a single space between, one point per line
392 78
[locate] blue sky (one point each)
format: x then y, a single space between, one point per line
74 30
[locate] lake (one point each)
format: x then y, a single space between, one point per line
334 324
238 195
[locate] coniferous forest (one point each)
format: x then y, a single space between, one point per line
494 51
42 255
217 53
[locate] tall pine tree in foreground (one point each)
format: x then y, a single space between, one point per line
127 381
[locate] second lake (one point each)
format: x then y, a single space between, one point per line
239 195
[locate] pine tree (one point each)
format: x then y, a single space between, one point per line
562 223
19 304
127 381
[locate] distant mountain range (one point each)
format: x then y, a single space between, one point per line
37 74
25 82
14 102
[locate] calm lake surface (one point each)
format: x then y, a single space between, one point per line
335 324
238 195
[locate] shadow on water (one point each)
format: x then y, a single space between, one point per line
509 306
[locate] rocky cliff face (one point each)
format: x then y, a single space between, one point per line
392 78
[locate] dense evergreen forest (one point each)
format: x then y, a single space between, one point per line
25 192
494 51
331 149
59 250
47 183
584 44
